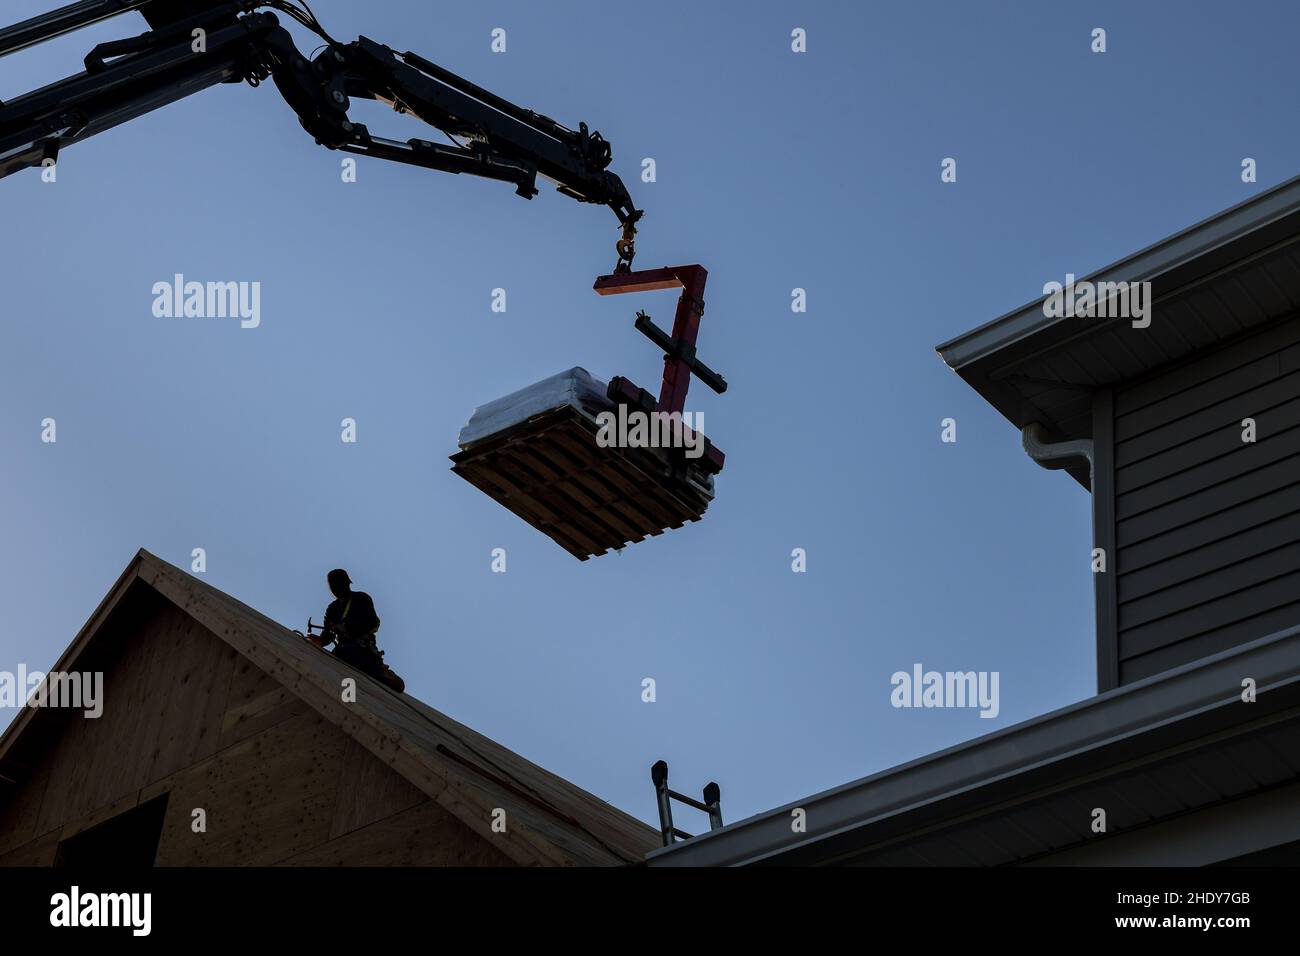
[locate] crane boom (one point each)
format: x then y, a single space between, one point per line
196 44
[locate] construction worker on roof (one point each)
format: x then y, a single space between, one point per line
351 624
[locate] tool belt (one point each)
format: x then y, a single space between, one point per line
365 641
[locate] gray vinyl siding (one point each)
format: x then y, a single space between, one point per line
1207 527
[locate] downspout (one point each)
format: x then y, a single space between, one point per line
1059 455
1062 455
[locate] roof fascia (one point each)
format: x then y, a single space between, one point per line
1164 706
1162 259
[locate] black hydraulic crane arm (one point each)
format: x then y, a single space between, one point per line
196 44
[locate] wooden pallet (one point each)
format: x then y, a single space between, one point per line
550 471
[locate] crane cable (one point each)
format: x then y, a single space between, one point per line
304 16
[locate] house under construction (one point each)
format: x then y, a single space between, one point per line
226 739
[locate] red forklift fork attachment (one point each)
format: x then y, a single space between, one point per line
679 348
680 360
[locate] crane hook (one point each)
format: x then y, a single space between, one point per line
626 246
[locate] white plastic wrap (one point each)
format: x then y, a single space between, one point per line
576 388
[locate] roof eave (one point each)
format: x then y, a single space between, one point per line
1149 264
1168 702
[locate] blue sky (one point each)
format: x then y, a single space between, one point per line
775 170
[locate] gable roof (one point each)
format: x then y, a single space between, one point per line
549 820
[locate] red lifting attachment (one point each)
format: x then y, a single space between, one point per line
679 348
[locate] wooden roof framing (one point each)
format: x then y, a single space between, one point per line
549 821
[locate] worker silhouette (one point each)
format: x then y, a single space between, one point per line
351 624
